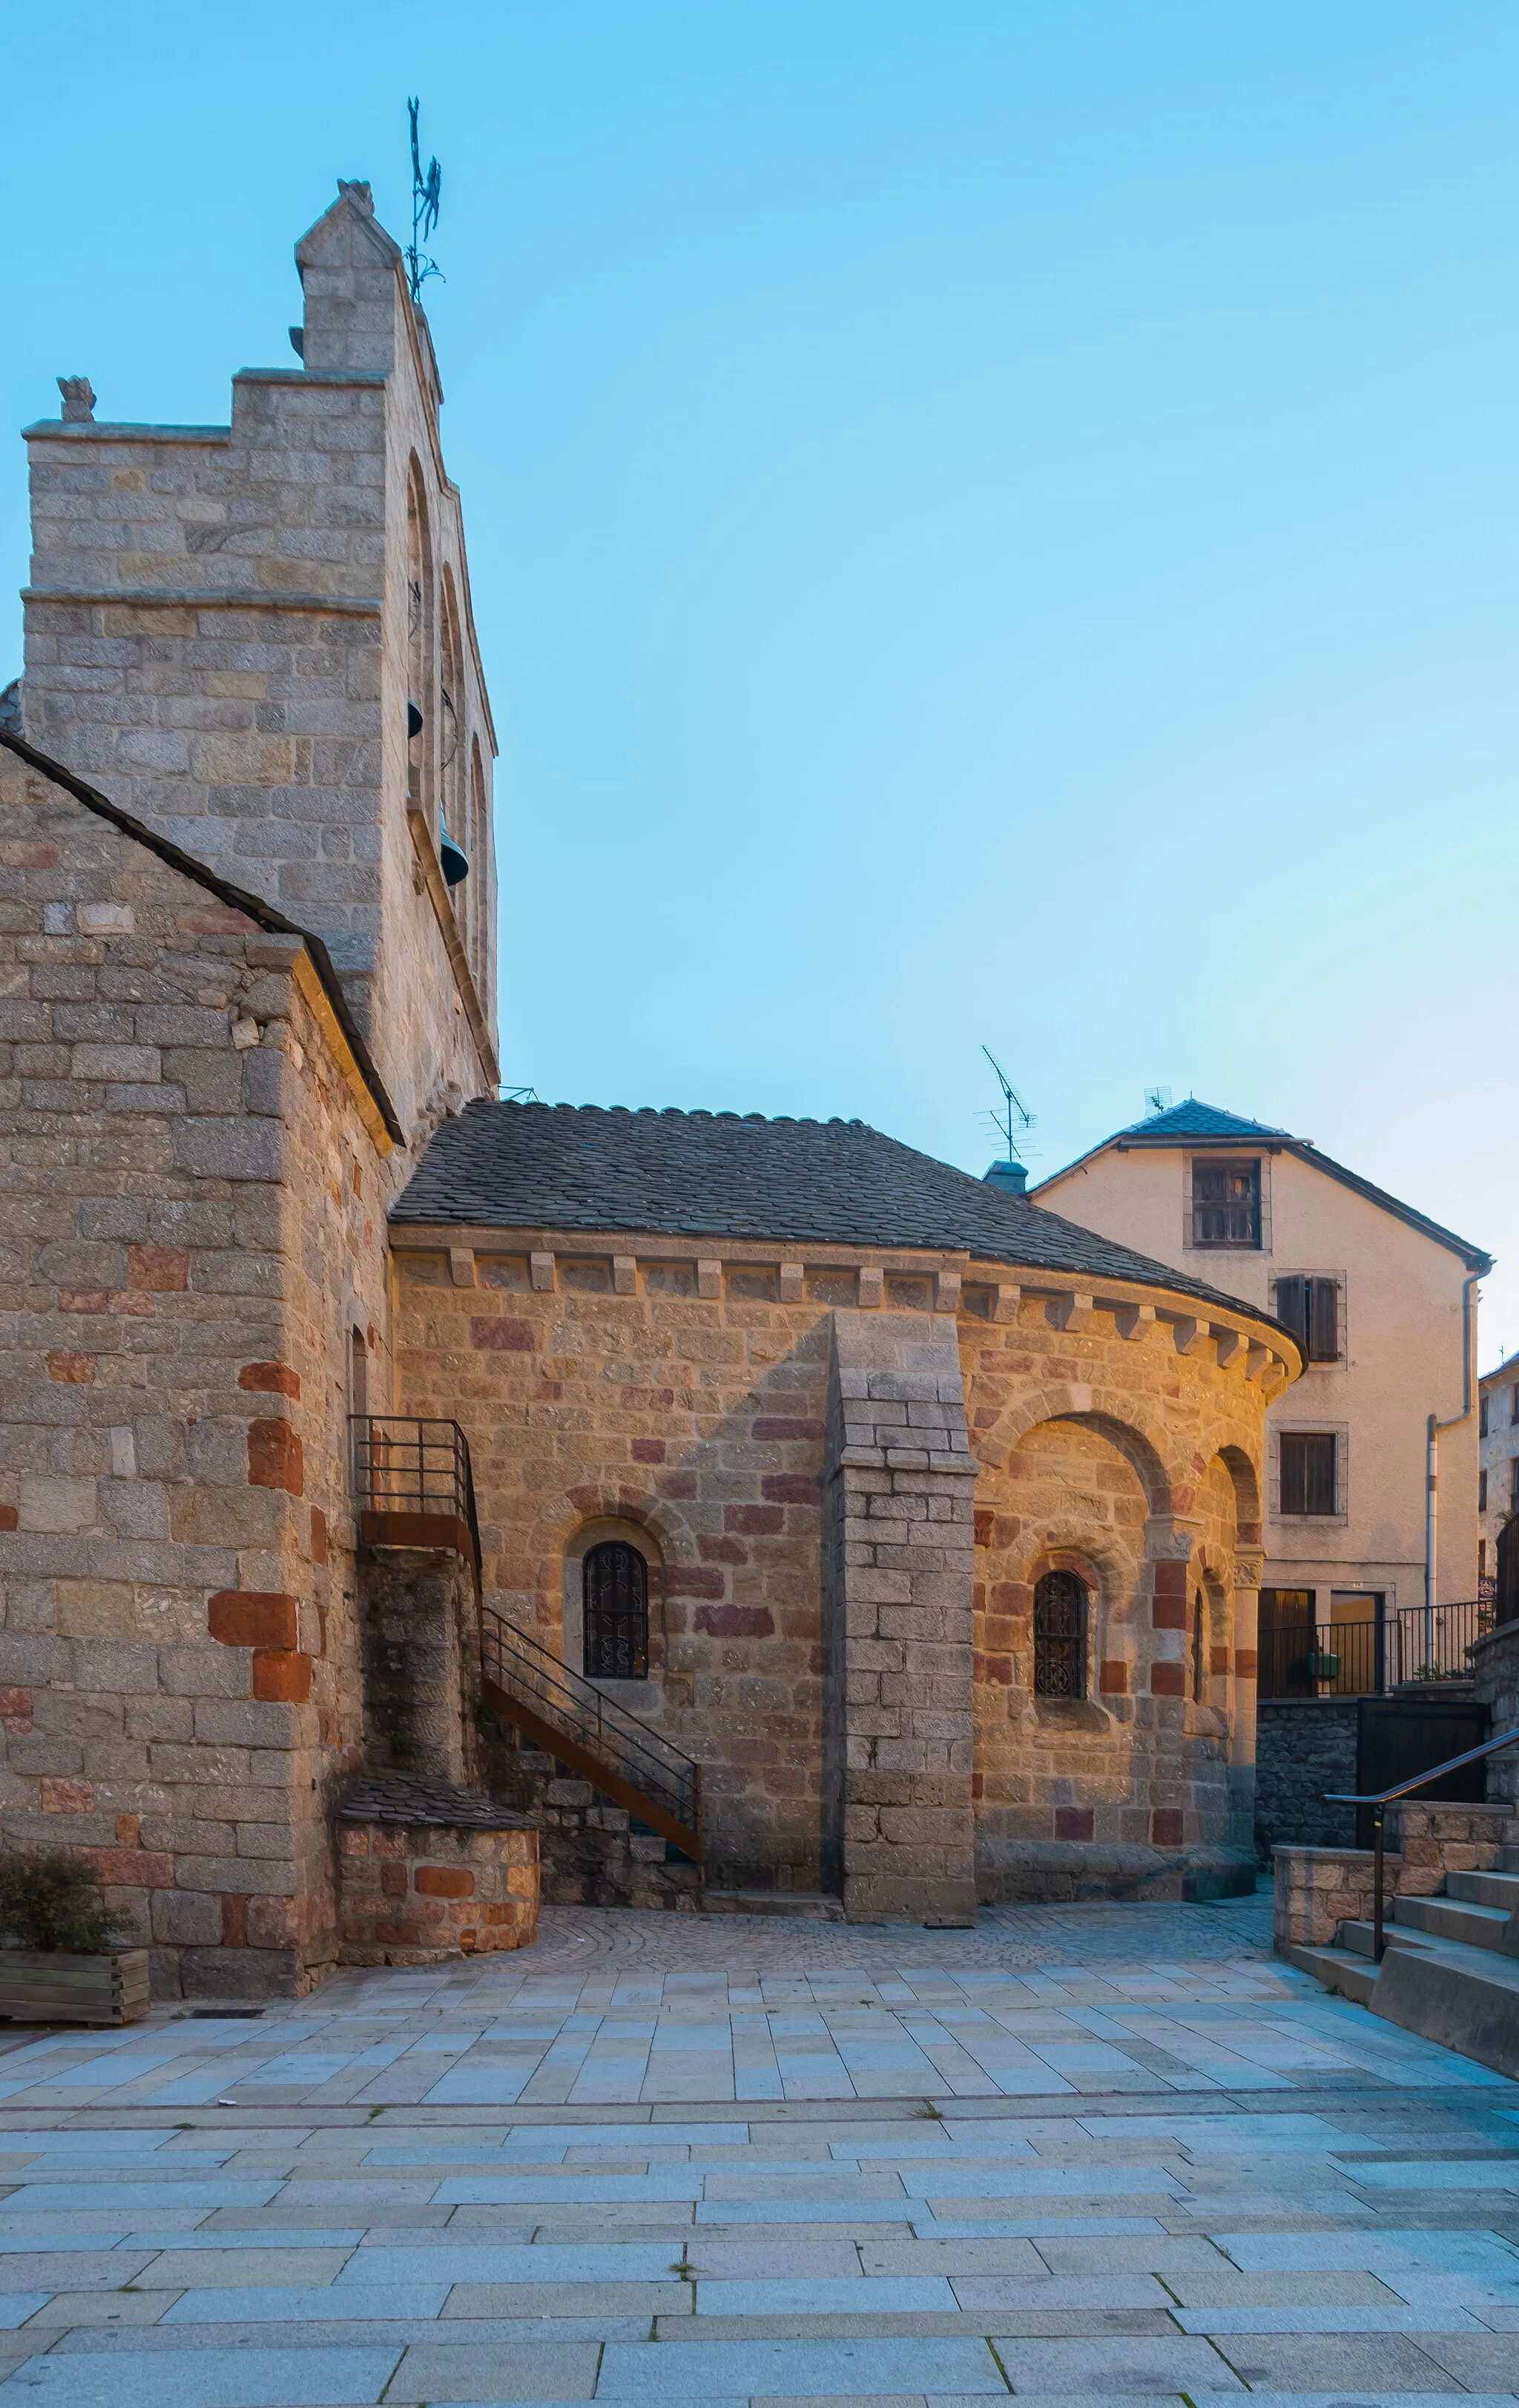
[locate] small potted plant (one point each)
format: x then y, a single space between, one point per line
58 1964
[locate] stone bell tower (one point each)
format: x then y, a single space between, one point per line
258 639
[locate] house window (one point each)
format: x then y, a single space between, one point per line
616 1599
1482 1418
1514 1484
1311 1309
1513 1404
1310 1482
1481 1492
1482 1560
1198 1619
1226 1203
1060 1636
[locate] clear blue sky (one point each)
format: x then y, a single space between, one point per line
988 522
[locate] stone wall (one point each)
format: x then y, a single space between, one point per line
644 1387
195 1177
1302 1751
426 1874
1316 1889
1495 1664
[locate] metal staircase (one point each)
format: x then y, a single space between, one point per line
590 1735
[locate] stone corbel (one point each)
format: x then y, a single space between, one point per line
1190 1336
872 1283
709 1278
1009 1298
625 1275
541 1272
791 1288
1258 1361
1135 1321
462 1265
947 1292
1070 1310
1233 1347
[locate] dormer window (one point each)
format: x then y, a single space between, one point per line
1225 1202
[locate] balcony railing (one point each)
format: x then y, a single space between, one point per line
1371 1656
413 1486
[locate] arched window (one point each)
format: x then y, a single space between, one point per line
1060 1636
616 1612
358 1372
1199 1619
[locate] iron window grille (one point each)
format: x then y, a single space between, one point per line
1060 1636
616 1612
1309 1473
1226 1203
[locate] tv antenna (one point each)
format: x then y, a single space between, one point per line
1157 1099
1013 1121
426 193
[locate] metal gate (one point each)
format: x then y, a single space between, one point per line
1398 1737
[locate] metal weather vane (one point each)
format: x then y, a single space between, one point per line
426 193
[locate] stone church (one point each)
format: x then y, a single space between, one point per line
409 1498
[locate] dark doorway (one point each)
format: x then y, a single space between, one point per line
1396 1738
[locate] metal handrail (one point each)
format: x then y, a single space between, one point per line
644 1758
1381 1798
406 1465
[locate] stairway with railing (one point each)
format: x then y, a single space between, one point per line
1369 1656
596 1739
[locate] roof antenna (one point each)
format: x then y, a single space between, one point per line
426 192
1157 1099
1013 1121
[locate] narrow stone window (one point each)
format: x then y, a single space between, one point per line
616 1603
1199 1619
358 1373
1060 1636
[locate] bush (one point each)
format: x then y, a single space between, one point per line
53 1901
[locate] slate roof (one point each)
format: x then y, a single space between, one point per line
1199 1120
411 1802
732 1175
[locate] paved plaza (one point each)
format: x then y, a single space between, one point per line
1082 2153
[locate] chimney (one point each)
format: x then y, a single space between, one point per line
1010 1177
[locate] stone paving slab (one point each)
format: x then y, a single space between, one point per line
1282 2197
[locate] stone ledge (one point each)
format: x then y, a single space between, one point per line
404 1804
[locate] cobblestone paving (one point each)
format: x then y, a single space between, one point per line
1083 2154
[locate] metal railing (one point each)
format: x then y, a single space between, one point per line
1382 1799
1369 1657
406 1466
595 1731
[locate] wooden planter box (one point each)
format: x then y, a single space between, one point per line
40 1986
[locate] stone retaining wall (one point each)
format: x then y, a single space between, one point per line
420 1893
1319 1888
1301 1750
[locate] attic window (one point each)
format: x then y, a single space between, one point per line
1225 1202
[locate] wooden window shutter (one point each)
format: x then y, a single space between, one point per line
1323 1320
1292 1307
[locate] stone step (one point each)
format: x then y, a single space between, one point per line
1338 1969
1360 1937
812 1906
1484 1889
1451 1918
1508 1860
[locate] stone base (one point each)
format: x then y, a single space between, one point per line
426 1873
1067 1872
591 1853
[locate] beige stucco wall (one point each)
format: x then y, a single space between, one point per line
1497 1452
1402 1358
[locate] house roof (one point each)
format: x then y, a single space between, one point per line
264 915
1196 1124
739 1175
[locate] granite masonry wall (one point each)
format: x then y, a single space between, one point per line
645 1388
1303 1751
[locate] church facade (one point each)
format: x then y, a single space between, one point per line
925 1524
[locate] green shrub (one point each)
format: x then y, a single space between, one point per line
51 1901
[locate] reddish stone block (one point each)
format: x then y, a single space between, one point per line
679 1485
789 1488
251 1617
1073 1822
1244 1663
16 1708
79 1369
755 1521
83 1299
67 1797
1165 1827
129 1867
393 1880
9 1517
233 1919
164 1269
735 1621
28 853
720 1551
280 1676
1168 1613
444 1880
692 1580
984 1523
648 1450
214 920
1113 1679
274 1923
128 1831
319 1536
1168 1679
270 1379
398 1935
1218 1660
490 1332
275 1458
781 1426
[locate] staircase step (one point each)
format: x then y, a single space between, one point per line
1338 1969
1450 1919
1361 1937
812 1906
1484 1889
1508 1860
